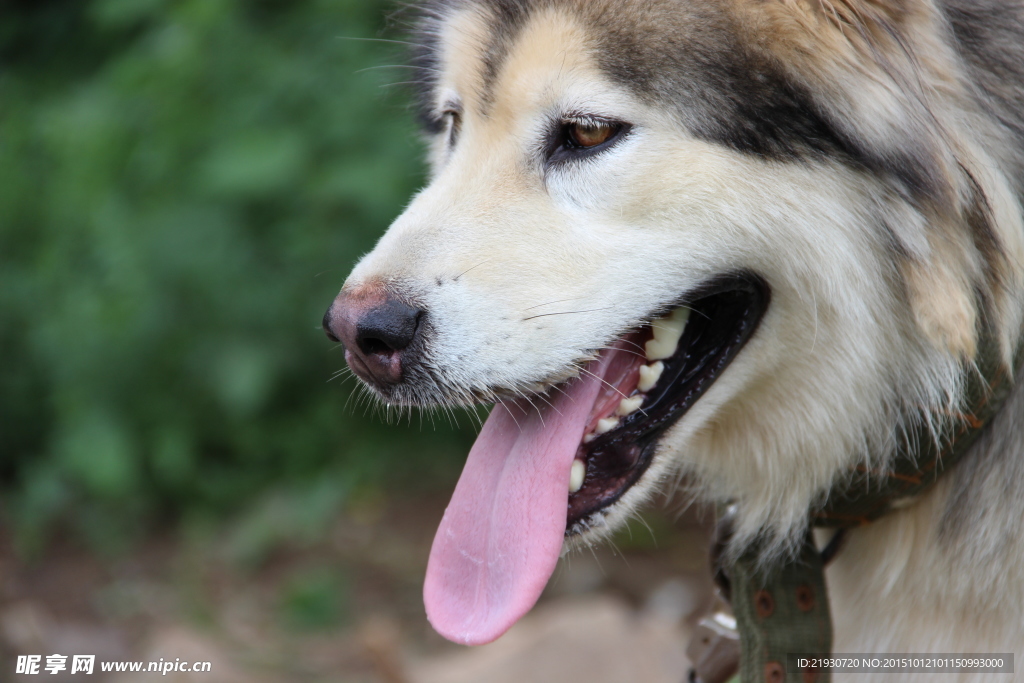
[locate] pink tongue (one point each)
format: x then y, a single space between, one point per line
502 533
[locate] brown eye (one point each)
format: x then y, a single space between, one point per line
589 134
578 136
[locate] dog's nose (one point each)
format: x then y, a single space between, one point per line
376 330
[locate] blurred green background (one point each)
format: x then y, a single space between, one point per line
184 185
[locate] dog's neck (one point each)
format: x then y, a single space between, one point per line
953 554
910 525
927 455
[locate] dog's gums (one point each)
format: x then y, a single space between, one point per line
656 373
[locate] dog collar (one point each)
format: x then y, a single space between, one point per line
783 610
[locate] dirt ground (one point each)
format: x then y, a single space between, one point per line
347 608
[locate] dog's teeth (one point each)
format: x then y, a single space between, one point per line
681 315
587 438
649 375
667 332
606 425
655 349
629 405
576 475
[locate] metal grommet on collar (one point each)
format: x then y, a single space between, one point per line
774 673
805 597
764 603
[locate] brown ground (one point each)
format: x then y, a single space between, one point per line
347 608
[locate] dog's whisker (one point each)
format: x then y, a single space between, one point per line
688 308
398 84
640 518
379 40
395 66
509 410
559 388
455 418
621 350
631 343
589 310
616 550
556 301
471 268
548 403
475 416
605 382
597 560
324 272
529 399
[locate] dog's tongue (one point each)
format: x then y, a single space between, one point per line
502 533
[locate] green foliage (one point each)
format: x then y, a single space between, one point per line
294 518
184 185
315 598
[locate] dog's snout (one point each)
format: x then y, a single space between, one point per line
376 329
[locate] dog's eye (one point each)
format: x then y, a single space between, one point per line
452 124
587 134
578 137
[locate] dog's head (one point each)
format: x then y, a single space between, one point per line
744 241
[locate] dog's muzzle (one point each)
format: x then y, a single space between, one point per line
376 329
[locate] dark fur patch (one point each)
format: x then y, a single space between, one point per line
989 35
978 218
722 91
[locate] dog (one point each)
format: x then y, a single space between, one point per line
749 245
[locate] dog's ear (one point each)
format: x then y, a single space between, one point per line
883 76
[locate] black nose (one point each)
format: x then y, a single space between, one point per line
388 327
376 329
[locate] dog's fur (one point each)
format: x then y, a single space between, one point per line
865 157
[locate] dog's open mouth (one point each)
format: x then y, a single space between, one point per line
654 375
544 469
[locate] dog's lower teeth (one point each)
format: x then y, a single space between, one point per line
629 405
576 475
649 375
606 425
667 332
